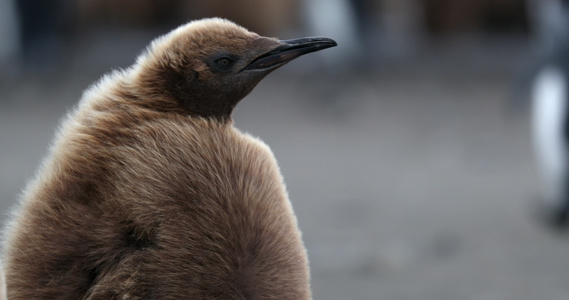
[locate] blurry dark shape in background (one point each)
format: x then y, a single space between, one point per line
490 16
260 16
549 94
43 25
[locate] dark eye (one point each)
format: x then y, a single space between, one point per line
224 63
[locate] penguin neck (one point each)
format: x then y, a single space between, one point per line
207 107
189 106
206 99
186 97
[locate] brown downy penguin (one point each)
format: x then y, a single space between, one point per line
149 192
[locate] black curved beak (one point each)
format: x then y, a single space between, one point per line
289 50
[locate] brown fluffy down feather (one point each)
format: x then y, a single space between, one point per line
139 202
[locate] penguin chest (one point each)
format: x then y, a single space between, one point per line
217 210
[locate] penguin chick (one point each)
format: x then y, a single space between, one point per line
149 192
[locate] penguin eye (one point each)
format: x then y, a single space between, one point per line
224 63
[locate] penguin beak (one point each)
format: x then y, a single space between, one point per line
289 50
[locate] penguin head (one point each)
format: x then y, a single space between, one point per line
206 67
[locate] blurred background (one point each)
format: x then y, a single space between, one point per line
407 149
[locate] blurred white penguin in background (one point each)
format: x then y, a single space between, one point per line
550 109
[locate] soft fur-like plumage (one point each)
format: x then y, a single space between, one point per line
149 192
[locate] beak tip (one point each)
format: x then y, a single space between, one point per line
310 44
322 41
333 43
328 43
